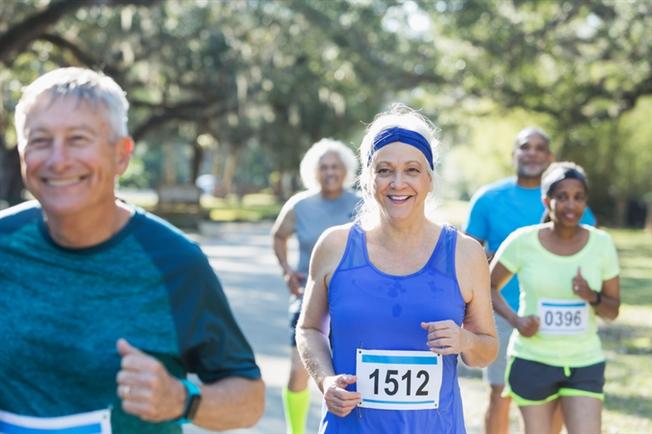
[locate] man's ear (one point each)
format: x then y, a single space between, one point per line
124 149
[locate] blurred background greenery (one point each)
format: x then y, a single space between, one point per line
238 90
228 95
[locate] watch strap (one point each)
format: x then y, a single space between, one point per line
193 397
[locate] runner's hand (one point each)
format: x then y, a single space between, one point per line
146 388
294 281
446 337
527 325
340 401
581 287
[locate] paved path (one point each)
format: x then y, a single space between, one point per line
243 258
245 263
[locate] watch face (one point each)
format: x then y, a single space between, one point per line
193 406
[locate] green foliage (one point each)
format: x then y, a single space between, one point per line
583 66
264 80
635 253
252 208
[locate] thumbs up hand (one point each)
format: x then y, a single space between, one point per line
146 388
581 287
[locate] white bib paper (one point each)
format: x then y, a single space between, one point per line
563 316
399 380
95 422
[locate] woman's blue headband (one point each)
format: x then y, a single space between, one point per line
396 134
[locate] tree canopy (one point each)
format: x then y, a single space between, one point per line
242 88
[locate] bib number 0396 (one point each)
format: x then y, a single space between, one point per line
563 316
398 380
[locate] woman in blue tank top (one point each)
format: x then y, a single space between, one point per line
400 296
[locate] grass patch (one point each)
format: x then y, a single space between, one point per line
635 255
628 340
628 393
251 208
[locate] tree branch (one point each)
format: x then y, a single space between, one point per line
177 112
83 57
19 36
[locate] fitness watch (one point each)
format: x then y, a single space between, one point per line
193 398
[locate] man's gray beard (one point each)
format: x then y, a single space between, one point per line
531 173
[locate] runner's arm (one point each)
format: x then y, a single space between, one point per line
313 326
480 344
231 403
281 231
150 392
609 305
483 243
526 325
500 275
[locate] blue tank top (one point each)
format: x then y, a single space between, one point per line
374 310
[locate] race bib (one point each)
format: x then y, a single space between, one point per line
563 316
95 422
398 380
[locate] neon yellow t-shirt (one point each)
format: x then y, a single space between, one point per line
546 279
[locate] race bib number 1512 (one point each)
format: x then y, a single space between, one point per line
399 380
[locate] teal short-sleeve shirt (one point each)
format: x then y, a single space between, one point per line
64 309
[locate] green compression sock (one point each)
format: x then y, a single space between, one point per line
296 405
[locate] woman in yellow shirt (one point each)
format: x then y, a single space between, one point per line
568 275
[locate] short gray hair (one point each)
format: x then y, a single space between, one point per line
309 167
80 83
398 115
523 135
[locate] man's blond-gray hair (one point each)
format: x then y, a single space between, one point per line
83 84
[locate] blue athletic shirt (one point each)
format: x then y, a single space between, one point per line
373 310
64 309
499 209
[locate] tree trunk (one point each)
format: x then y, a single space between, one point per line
620 212
11 182
195 163
230 166
169 167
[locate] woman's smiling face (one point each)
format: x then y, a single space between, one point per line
401 181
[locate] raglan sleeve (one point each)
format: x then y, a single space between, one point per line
610 264
509 252
478 224
212 343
